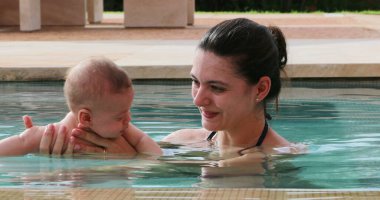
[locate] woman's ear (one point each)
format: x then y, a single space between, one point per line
85 117
262 88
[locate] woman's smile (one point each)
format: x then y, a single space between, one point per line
209 114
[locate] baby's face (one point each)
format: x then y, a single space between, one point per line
111 117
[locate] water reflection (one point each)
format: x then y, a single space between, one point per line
184 168
79 171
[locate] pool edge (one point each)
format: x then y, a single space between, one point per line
363 70
187 193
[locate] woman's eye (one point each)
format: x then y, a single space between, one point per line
217 89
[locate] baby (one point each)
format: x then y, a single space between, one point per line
99 95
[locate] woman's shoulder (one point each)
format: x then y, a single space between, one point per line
184 136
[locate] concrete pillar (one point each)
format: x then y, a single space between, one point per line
95 11
190 12
155 13
9 12
30 15
63 12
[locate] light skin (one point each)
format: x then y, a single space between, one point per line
228 104
234 108
231 106
106 116
109 118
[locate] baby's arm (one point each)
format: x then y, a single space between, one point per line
24 143
141 141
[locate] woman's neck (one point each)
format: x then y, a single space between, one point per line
245 134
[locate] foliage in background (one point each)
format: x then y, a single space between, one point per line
112 5
287 5
271 5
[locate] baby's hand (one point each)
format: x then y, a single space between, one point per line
27 121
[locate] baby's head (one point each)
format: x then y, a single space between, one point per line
100 94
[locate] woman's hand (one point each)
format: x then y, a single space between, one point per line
79 141
55 139
56 142
87 141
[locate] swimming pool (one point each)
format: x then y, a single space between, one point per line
338 122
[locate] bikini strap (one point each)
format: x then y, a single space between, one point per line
212 134
260 141
263 134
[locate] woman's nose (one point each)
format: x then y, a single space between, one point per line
200 97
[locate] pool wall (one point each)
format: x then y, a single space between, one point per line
159 59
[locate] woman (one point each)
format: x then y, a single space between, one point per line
236 71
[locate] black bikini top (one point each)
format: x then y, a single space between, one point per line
259 142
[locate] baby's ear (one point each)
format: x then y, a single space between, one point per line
85 117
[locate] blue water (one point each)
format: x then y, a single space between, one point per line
339 125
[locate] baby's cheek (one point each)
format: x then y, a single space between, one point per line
102 130
115 131
103 134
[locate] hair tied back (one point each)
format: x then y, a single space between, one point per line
281 45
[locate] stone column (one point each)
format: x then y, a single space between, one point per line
30 15
190 12
63 12
95 11
155 13
9 13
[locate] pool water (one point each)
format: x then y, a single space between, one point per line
340 126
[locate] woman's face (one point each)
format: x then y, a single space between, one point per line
224 99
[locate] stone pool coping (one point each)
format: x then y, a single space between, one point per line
186 193
319 45
172 59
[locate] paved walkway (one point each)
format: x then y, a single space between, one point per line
162 57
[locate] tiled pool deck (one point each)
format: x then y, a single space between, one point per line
310 56
186 193
164 58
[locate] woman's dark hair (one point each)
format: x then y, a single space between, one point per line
255 49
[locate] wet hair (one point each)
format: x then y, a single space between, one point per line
255 49
93 79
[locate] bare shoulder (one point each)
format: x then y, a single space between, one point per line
276 140
185 136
